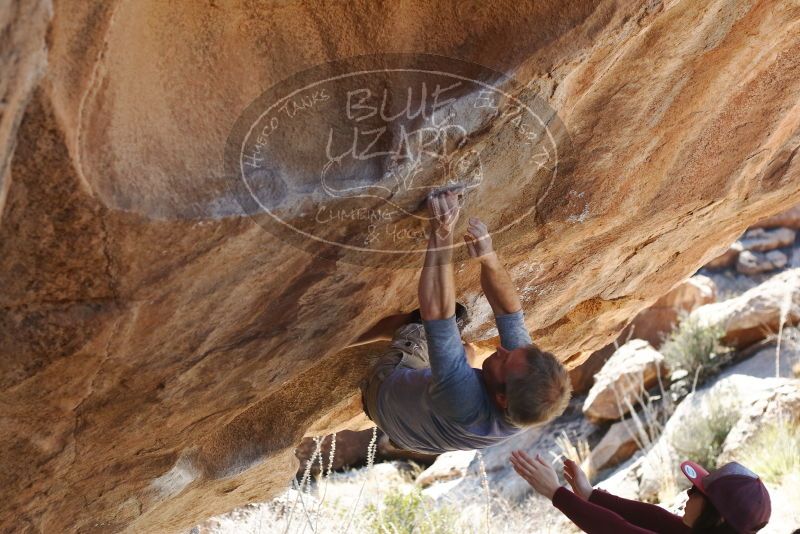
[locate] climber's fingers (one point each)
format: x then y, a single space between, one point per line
433 206
443 208
477 232
478 225
440 207
470 240
450 199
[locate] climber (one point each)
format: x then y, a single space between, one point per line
422 392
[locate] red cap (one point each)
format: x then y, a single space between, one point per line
736 492
695 473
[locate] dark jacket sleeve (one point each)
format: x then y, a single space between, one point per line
643 514
595 519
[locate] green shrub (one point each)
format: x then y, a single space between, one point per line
409 513
774 452
696 348
702 437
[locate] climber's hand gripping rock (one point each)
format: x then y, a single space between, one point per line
443 209
479 242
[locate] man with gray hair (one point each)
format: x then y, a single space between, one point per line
422 393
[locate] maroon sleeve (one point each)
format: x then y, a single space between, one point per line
590 517
645 515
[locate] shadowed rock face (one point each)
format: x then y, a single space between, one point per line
162 355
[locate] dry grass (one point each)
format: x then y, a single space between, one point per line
648 411
409 513
774 453
390 505
578 451
667 471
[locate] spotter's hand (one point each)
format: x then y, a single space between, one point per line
577 479
536 472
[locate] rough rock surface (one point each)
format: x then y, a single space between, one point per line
23 59
789 219
762 363
758 311
632 369
162 355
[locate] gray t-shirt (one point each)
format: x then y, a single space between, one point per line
446 407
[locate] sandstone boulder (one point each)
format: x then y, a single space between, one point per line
631 370
652 324
754 314
617 445
760 262
763 357
624 481
657 321
448 466
166 343
700 426
762 240
727 258
779 406
582 376
789 219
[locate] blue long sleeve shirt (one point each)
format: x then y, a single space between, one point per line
446 407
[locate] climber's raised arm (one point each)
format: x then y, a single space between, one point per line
495 281
437 292
454 390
